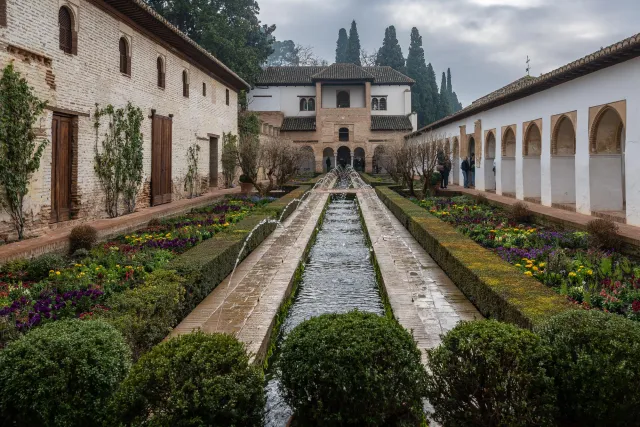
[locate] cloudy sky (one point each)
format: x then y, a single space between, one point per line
485 42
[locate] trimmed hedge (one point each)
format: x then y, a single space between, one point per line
375 181
62 374
192 380
498 289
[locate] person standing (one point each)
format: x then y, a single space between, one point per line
465 171
472 170
446 172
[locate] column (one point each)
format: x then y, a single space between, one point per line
583 194
632 173
545 162
519 162
499 160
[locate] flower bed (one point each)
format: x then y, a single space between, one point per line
51 288
560 259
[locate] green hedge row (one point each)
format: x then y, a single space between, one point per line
376 181
496 287
147 314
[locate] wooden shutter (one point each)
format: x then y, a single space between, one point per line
65 24
61 168
161 142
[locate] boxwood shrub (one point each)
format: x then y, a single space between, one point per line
596 365
192 380
488 373
352 369
62 374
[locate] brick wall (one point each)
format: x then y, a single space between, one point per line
77 82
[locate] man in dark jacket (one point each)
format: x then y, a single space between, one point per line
465 171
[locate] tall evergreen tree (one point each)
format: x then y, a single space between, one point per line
454 104
390 54
417 70
444 102
431 112
449 86
353 50
342 46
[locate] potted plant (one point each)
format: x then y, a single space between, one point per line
245 184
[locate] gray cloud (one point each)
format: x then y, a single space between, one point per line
485 42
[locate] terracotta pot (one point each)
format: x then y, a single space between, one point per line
246 187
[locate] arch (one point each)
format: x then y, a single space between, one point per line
185 83
343 99
66 27
344 156
125 58
383 104
606 132
471 145
311 104
161 72
304 104
532 141
343 135
607 162
359 161
307 161
328 154
374 104
489 164
509 143
563 164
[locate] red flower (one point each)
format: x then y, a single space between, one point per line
636 306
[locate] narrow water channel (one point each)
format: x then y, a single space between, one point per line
338 278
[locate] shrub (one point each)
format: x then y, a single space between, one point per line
147 313
193 380
62 374
603 234
82 237
352 369
596 367
488 373
154 222
39 267
520 213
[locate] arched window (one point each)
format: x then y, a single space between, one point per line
185 84
312 104
204 89
125 62
343 99
65 22
383 104
161 74
228 97
343 135
304 105
374 104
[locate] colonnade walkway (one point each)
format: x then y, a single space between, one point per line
421 295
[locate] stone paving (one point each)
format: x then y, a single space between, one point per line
246 306
422 296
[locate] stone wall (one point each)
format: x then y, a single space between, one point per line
73 84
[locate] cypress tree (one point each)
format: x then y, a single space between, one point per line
342 46
417 70
431 112
444 104
449 87
353 50
390 54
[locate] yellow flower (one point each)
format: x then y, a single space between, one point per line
535 269
528 273
518 265
582 266
492 231
117 265
51 271
542 264
590 272
529 265
572 274
57 273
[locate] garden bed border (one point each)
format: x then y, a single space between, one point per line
498 289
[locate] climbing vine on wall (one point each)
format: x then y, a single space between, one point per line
191 180
229 161
118 157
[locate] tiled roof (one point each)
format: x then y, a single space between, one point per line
343 71
290 124
306 75
391 123
617 53
144 16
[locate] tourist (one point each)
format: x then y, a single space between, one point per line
495 183
465 171
446 172
472 171
440 169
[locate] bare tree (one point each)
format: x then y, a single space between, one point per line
427 151
307 57
399 161
368 59
275 156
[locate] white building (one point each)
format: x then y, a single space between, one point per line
76 53
341 113
566 139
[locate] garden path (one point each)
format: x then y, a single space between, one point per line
247 307
422 296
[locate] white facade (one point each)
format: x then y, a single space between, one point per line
594 181
74 83
280 98
398 99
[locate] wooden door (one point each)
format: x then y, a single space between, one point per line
213 162
61 155
161 160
